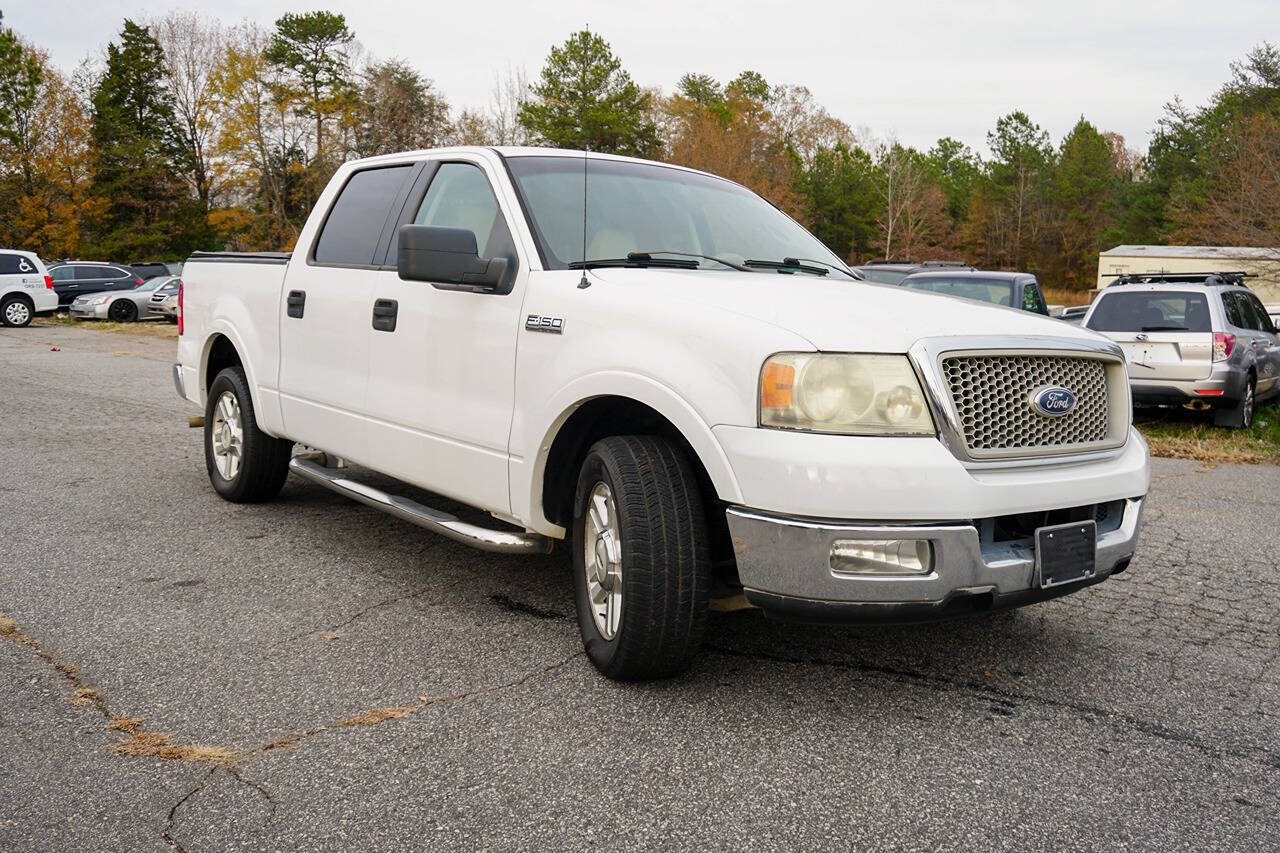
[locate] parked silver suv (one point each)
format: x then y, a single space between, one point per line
1198 340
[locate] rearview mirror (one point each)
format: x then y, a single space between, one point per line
446 256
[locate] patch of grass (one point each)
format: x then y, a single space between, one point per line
143 328
144 744
1180 435
1067 297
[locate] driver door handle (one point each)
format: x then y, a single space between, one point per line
384 315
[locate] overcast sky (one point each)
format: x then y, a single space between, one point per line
916 71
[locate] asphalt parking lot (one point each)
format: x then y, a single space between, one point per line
312 674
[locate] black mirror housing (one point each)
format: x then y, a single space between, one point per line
446 256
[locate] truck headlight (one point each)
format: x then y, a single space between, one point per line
847 393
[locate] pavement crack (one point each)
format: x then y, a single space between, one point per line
987 691
358 615
378 716
133 739
167 835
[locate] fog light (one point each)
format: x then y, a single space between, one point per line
881 557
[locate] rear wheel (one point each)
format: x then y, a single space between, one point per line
16 311
1240 416
641 558
122 311
245 464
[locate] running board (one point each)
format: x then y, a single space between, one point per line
496 541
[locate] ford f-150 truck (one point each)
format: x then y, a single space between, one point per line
662 369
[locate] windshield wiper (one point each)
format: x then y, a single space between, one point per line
636 259
712 258
787 265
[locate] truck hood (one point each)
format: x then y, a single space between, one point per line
835 313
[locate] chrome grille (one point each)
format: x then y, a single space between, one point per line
992 394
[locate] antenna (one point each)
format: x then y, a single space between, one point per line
583 283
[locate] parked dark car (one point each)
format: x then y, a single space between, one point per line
150 269
893 272
76 278
1012 289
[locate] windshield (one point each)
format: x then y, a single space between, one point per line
1151 311
152 283
642 207
981 289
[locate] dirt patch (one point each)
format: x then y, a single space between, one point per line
142 328
377 715
145 744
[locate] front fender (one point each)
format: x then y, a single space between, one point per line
528 475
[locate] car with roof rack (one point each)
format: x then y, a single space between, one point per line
659 370
1201 341
893 272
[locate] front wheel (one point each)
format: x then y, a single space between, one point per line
641 558
122 311
245 464
15 311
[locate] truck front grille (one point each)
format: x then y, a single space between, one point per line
992 399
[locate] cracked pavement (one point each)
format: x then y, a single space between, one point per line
375 686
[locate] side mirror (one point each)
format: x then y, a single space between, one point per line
446 256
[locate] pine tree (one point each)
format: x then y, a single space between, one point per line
585 99
148 213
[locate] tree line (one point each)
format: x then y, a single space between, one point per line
190 134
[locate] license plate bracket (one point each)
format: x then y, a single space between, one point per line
1066 553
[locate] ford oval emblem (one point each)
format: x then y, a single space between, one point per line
1053 400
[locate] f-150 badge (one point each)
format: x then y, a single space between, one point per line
543 323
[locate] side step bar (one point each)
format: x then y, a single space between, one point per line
496 541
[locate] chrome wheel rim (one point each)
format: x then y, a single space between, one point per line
602 550
227 435
17 313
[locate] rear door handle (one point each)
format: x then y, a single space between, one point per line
297 302
384 315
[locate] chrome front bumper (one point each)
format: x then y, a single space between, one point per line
784 566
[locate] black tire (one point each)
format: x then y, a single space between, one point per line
665 558
122 311
13 305
264 461
1240 416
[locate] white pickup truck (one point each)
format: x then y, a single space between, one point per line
660 367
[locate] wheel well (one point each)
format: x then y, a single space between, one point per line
222 354
596 419
600 418
20 296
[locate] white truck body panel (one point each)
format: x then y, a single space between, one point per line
469 407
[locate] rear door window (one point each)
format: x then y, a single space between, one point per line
1235 313
1151 311
351 231
1254 314
92 273
13 265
